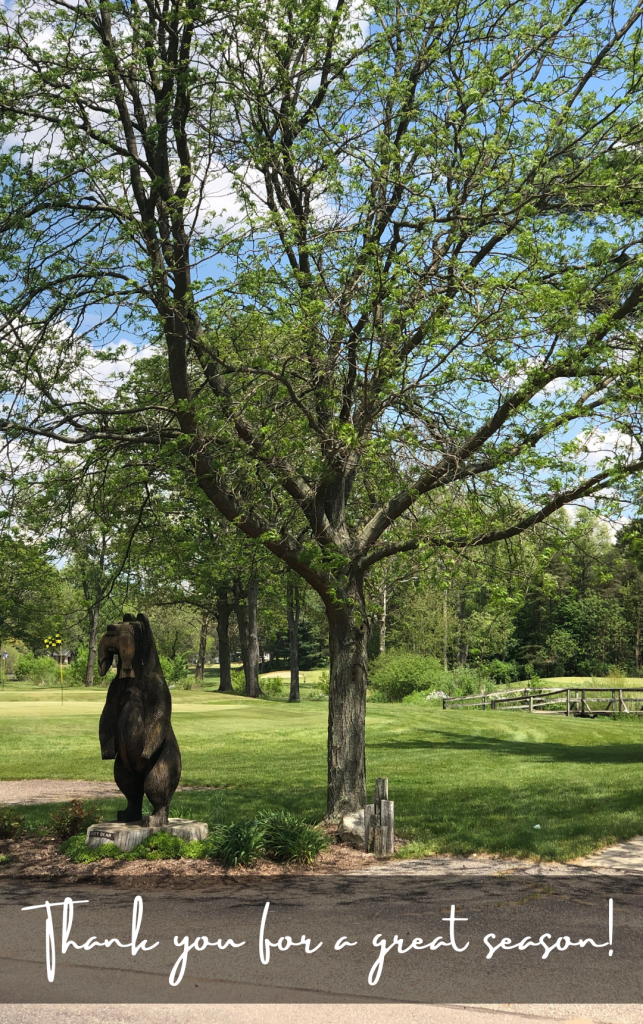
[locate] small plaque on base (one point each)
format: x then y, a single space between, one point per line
127 835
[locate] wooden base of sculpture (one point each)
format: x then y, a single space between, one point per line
127 835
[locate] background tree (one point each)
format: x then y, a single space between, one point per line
90 515
434 291
293 610
31 601
630 543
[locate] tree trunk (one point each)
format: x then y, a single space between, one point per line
241 613
252 676
292 608
223 621
199 671
246 611
93 643
348 638
383 622
445 639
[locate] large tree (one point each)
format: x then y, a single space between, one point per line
431 293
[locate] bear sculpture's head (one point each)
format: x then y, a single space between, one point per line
131 641
119 640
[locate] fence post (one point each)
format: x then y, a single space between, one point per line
388 824
568 702
369 824
380 843
381 793
531 702
621 702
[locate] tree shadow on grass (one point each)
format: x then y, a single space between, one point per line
542 750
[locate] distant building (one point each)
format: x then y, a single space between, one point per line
56 655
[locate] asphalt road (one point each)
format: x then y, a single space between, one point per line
432 983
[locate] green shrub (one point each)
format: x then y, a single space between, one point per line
272 687
378 696
75 672
11 824
5 858
419 697
324 683
77 851
184 684
71 820
463 682
399 673
238 681
175 669
43 671
288 838
160 846
25 666
195 850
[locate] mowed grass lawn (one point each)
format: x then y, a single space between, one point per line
463 782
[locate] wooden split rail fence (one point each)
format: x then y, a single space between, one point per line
584 702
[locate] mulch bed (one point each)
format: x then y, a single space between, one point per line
40 860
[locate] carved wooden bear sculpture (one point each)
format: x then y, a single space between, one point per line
135 725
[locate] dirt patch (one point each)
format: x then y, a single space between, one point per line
40 860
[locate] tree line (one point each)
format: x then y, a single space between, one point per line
566 598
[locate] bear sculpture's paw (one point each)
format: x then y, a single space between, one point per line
156 820
128 816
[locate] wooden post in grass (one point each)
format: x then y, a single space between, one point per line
381 793
387 815
379 822
369 826
568 703
381 841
